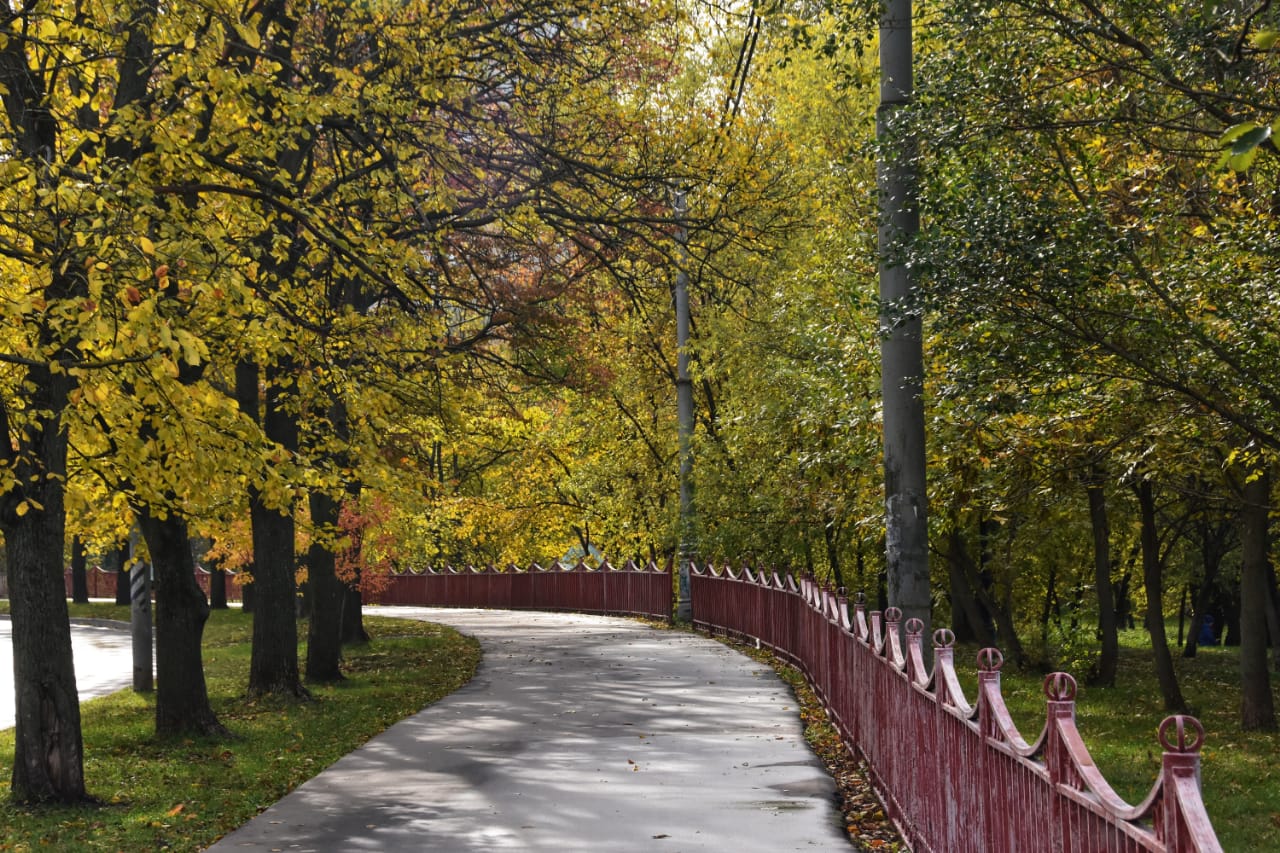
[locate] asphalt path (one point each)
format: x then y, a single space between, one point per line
103 657
578 734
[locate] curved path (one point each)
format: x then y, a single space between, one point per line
578 734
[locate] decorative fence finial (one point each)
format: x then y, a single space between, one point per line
1180 744
944 638
990 659
1060 687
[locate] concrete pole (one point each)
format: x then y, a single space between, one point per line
684 404
901 332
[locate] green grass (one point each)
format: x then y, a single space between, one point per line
183 794
1240 770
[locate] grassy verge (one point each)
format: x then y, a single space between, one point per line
182 794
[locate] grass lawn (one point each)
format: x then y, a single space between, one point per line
183 794
1240 770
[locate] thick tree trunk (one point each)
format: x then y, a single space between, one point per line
182 697
324 633
1153 578
1105 672
48 764
80 571
1257 707
49 753
273 661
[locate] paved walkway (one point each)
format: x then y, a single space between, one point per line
579 734
103 658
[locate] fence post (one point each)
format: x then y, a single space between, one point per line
1183 823
1060 705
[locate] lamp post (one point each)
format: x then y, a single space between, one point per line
684 405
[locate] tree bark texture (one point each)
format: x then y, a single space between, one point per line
1153 578
1105 673
1257 707
324 631
182 696
48 764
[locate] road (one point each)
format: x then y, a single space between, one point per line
103 658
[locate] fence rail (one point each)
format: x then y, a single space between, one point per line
102 582
956 776
631 589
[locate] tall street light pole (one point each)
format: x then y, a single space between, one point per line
684 405
901 330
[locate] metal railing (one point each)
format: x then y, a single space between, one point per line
956 776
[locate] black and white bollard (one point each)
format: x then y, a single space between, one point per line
140 623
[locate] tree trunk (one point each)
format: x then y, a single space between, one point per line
831 538
1108 660
1273 616
324 633
1257 707
48 763
273 661
1152 574
1050 604
901 329
182 696
966 613
217 586
353 614
79 572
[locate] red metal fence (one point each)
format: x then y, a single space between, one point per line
956 776
631 589
102 582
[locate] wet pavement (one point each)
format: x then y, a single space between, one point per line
578 734
103 659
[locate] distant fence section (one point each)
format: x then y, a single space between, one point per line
956 776
102 582
631 589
